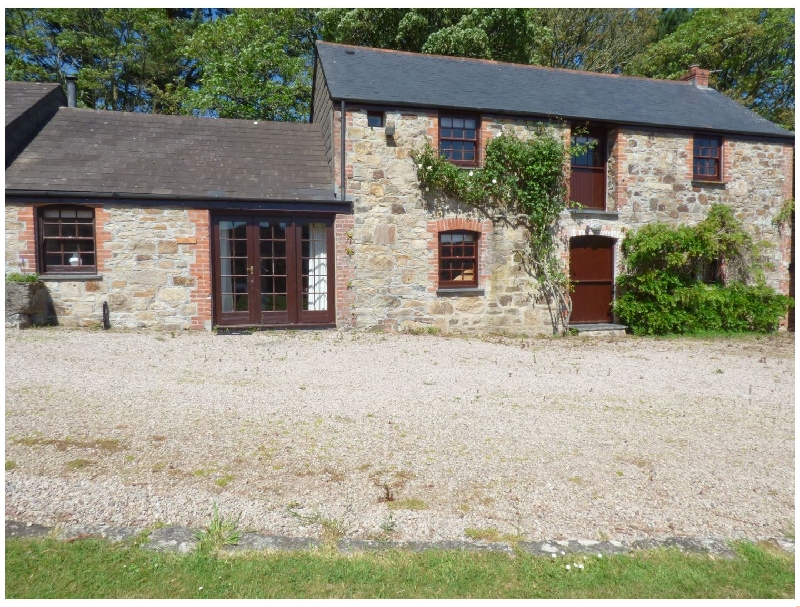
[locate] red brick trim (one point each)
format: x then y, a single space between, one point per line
27 238
788 172
620 171
200 269
484 228
343 227
103 237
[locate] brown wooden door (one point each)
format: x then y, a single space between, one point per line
591 269
272 271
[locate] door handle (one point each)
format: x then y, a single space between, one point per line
250 269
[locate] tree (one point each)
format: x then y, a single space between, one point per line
750 53
125 59
253 64
594 39
500 34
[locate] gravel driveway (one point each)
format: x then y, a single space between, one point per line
302 432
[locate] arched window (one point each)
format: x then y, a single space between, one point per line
458 259
66 240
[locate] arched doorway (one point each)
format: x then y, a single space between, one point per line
591 272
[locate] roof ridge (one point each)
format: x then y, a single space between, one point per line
501 63
149 116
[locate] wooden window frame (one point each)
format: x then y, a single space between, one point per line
375 114
717 176
66 243
443 259
476 139
597 168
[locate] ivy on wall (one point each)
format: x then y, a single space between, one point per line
522 185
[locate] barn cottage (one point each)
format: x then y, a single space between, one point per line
187 222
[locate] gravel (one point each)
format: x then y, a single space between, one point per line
305 433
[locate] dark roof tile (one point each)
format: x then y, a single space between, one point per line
117 153
367 75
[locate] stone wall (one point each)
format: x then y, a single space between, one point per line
649 178
395 239
153 268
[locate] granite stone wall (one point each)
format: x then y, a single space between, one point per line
393 245
153 268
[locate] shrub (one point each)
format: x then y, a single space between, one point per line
663 291
17 277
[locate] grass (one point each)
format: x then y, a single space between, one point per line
45 568
110 445
409 503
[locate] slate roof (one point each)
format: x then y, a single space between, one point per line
28 106
130 154
367 75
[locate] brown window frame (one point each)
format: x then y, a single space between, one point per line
380 115
717 175
476 139
66 244
594 171
448 270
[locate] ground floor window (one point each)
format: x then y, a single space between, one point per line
458 259
66 239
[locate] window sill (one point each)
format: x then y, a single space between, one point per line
593 214
462 292
69 277
702 183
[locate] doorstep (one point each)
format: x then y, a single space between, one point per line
599 329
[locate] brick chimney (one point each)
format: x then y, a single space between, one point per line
696 76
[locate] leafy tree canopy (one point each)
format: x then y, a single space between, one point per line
126 59
500 34
594 39
254 64
750 53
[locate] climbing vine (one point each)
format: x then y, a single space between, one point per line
522 185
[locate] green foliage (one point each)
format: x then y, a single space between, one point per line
750 53
786 213
100 569
522 185
17 277
221 532
126 59
500 34
253 64
593 39
662 291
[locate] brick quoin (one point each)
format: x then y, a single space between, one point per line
345 270
102 238
200 269
27 237
621 171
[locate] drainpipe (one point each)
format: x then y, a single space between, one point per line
72 95
342 119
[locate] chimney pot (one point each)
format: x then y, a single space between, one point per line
696 76
72 94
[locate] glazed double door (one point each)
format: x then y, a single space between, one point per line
273 270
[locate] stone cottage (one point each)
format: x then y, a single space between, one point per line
190 223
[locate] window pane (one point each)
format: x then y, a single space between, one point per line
85 215
85 230
240 248
375 120
470 123
446 122
51 213
68 213
458 123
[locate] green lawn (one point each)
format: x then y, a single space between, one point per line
45 568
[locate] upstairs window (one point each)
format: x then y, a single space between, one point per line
458 139
458 259
588 171
67 240
375 119
707 157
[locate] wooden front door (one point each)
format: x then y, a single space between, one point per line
272 271
591 270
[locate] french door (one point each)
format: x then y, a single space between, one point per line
591 269
273 270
